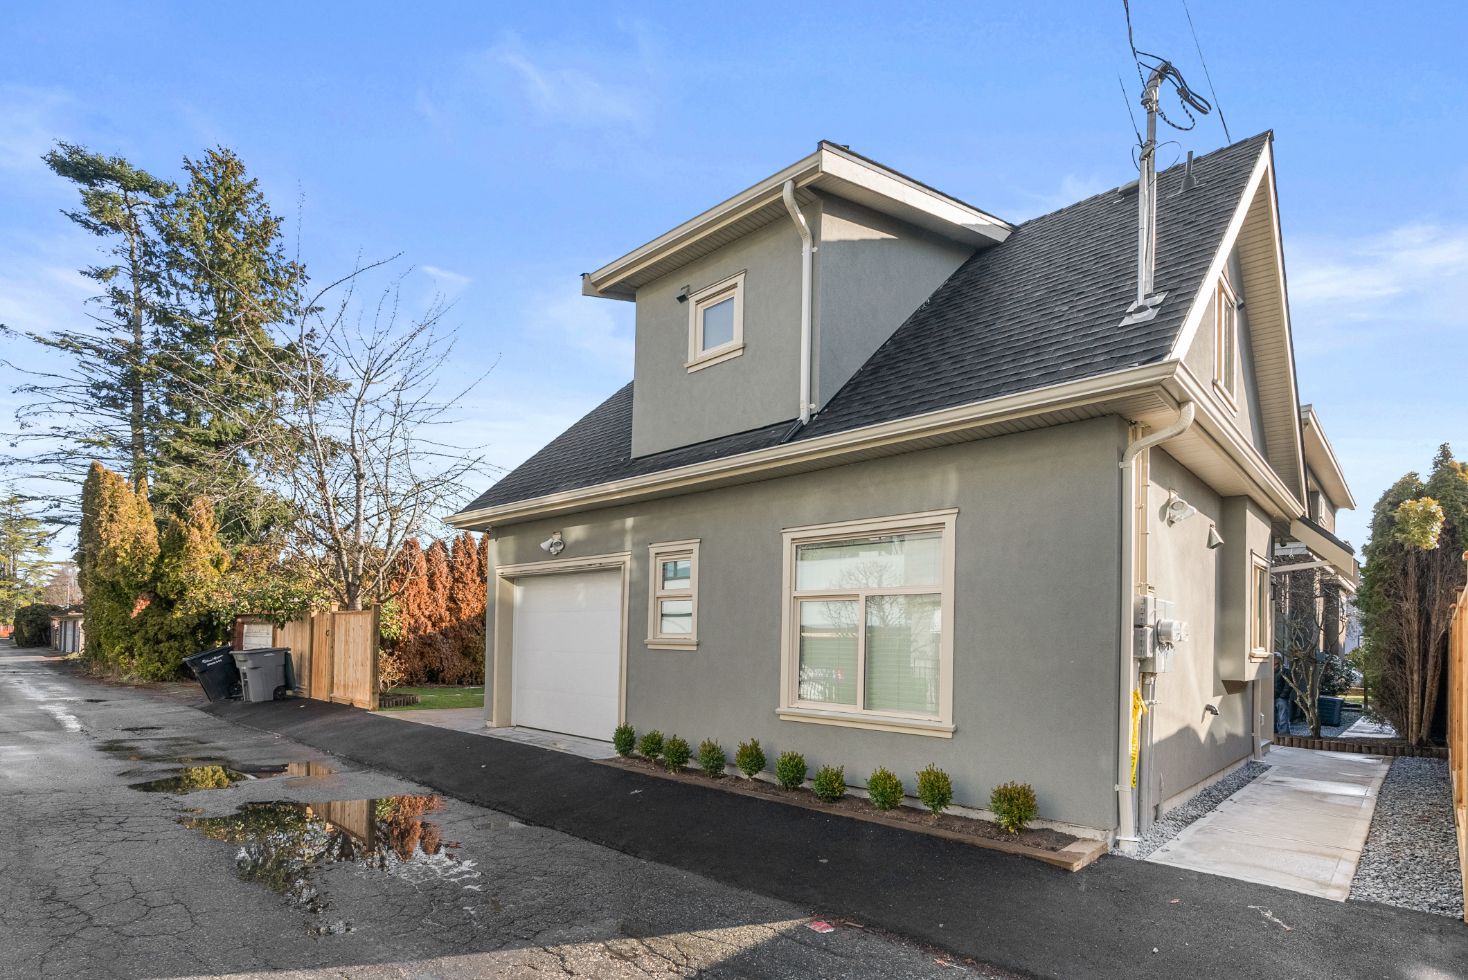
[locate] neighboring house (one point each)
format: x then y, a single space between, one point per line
1315 573
895 479
67 633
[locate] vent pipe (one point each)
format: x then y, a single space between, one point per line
1147 191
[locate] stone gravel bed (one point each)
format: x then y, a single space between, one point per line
1204 803
1411 854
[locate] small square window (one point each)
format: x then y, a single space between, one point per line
672 606
716 323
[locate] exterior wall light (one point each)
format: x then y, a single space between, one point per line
1178 509
553 545
1215 540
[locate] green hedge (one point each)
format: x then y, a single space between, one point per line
33 625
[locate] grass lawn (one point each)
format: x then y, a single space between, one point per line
442 697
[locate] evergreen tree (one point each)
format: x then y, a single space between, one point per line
227 281
99 403
411 587
23 564
466 607
116 552
1413 571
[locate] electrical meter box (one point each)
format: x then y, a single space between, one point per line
1156 634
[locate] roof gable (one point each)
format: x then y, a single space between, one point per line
1043 308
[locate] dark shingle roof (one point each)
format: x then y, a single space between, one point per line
1041 309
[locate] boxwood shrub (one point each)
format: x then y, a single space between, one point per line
790 770
829 784
1014 805
750 758
676 754
935 789
624 740
885 789
651 744
711 758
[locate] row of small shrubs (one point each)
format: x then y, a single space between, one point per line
1013 804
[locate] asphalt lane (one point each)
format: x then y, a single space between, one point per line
1116 919
319 867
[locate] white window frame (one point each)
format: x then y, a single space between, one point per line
1260 567
791 708
1226 348
657 554
698 357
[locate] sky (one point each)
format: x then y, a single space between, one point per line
501 150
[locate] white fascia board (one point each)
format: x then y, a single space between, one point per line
834 449
834 170
1321 458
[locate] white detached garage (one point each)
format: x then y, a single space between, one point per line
566 643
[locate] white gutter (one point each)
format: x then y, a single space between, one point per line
1126 817
806 248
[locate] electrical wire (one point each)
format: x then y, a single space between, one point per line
1147 62
1207 75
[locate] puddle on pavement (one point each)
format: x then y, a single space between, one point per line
193 778
142 728
287 847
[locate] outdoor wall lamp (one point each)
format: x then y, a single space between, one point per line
553 545
1215 540
1178 509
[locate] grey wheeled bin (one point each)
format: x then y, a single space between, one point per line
263 673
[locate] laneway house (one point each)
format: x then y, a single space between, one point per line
897 482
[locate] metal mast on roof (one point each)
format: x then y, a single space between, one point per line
1158 70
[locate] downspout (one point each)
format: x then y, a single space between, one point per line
807 247
1126 817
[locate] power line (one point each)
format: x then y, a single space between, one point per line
1126 97
1206 74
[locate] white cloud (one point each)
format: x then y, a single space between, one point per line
446 281
1072 188
1410 275
589 326
575 88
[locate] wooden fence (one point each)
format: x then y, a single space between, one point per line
335 655
1458 728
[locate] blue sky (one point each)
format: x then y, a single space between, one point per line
504 152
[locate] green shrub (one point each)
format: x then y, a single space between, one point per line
1014 805
885 790
33 625
829 784
676 754
650 746
711 758
624 739
935 789
750 758
790 770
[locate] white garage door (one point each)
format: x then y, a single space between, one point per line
567 652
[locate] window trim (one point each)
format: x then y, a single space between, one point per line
657 553
791 708
1226 383
698 357
1259 566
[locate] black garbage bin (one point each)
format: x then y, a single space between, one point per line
216 673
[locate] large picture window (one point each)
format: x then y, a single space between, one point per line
869 624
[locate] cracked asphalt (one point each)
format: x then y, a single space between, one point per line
327 869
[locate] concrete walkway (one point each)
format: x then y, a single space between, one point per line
1300 826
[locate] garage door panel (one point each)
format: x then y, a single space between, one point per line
566 672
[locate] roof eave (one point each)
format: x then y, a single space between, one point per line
1321 458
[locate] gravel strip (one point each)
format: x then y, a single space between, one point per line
1204 803
1411 854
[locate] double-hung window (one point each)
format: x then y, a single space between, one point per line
672 617
716 323
1260 641
868 625
1226 341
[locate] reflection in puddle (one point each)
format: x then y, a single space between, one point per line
287 846
192 778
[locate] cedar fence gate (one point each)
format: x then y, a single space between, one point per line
334 652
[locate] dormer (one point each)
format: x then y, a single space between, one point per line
730 305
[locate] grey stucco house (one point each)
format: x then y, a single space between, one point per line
897 482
